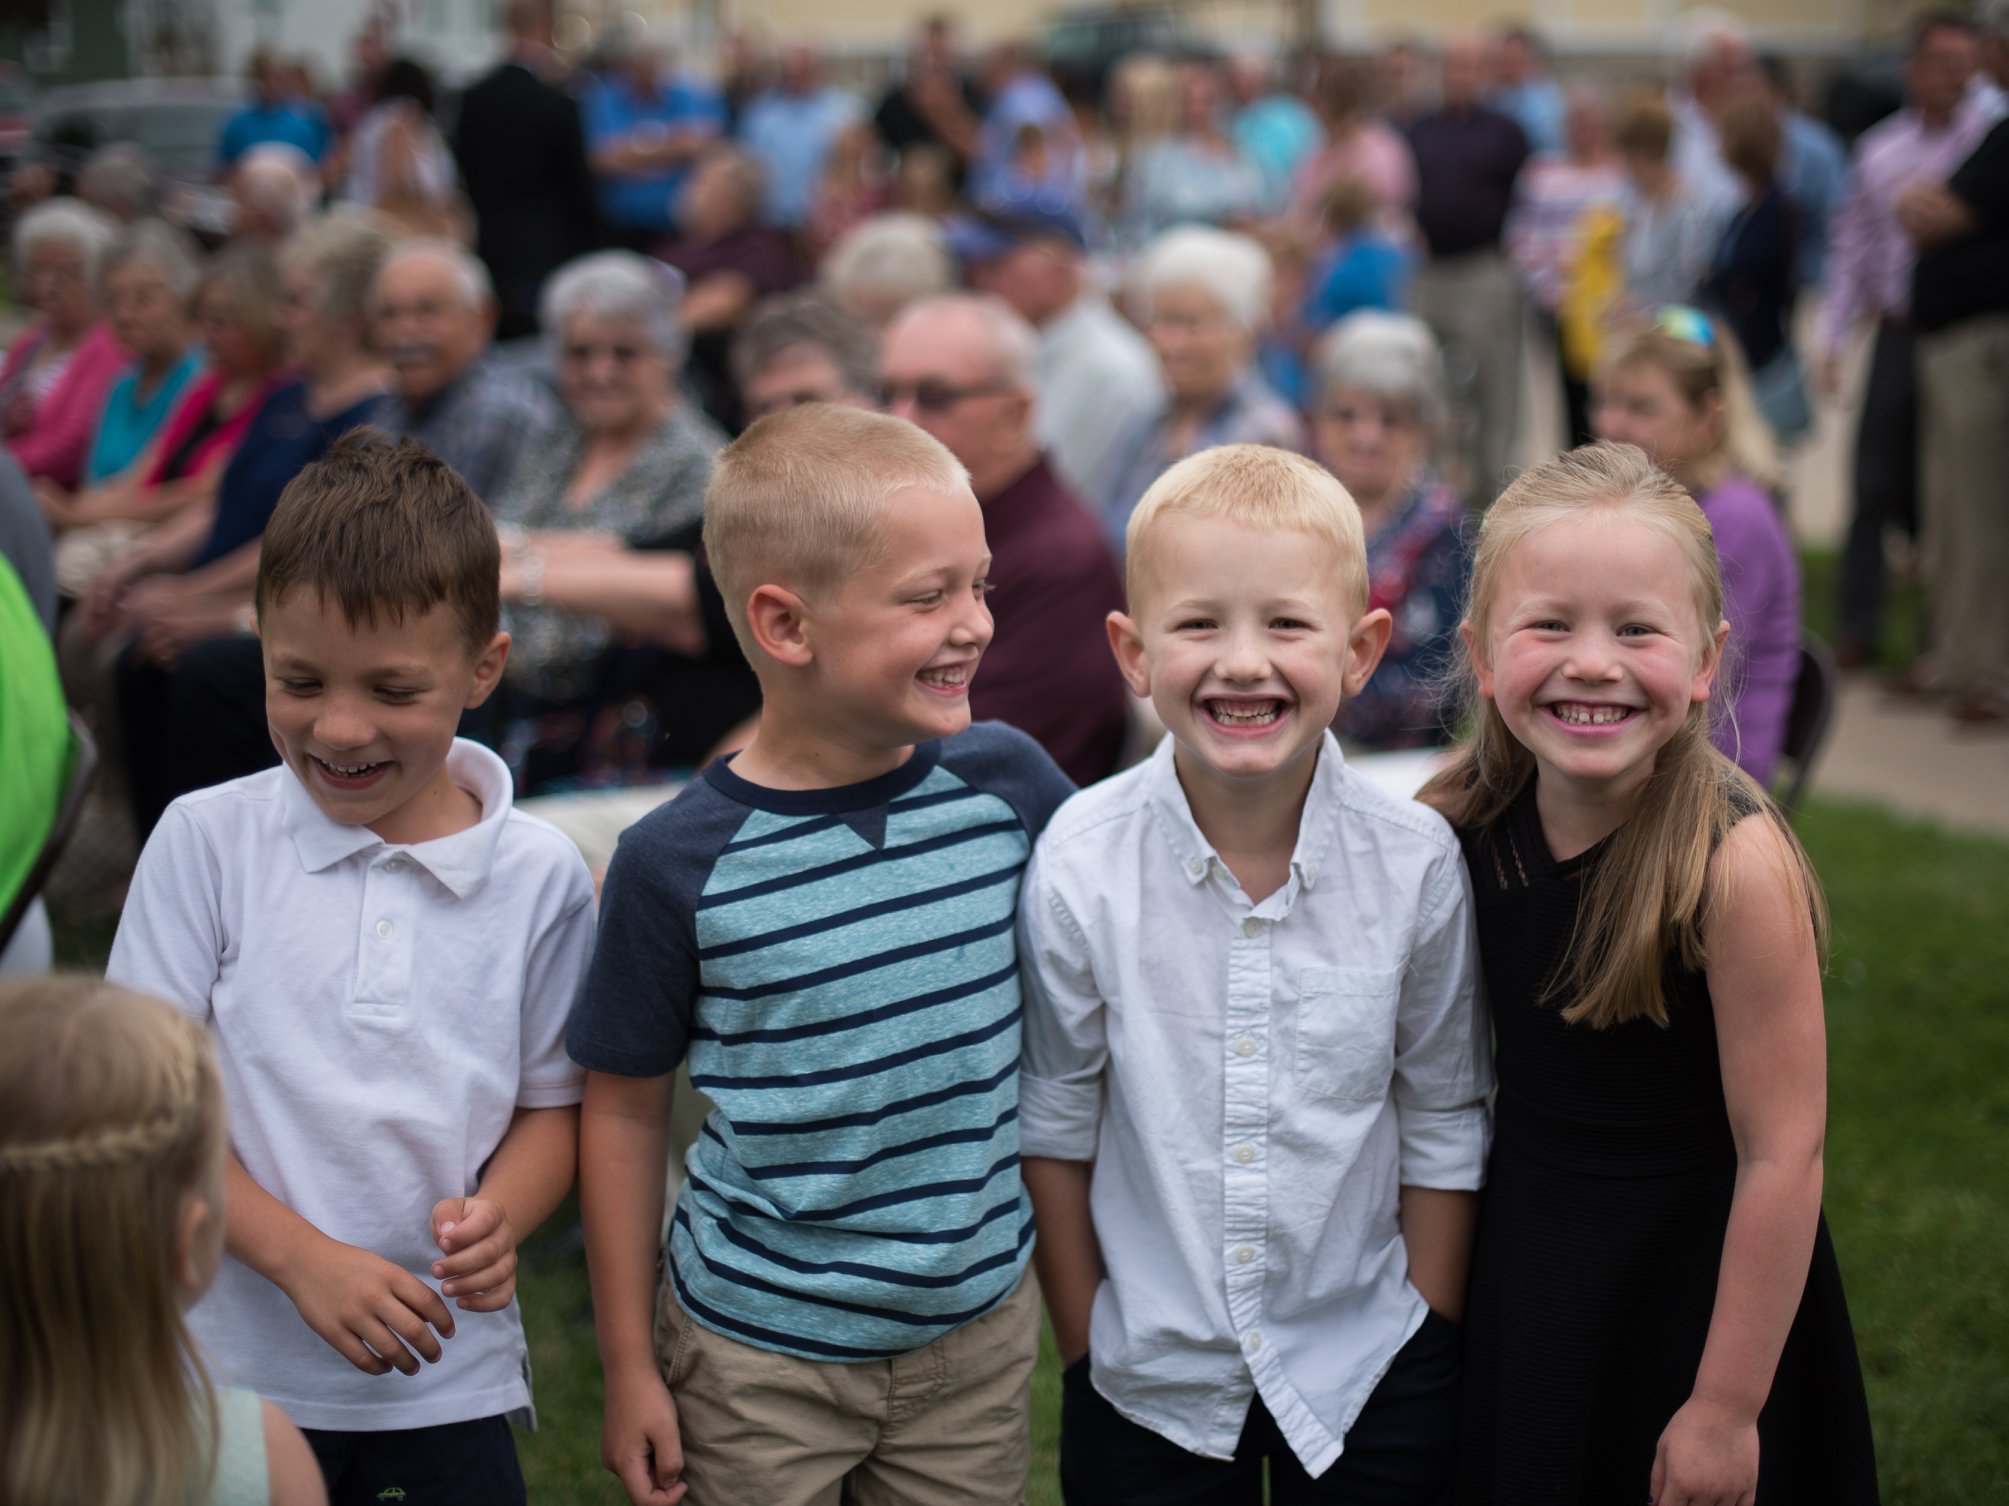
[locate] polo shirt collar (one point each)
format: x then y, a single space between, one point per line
461 862
1197 857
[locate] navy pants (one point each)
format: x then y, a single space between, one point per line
454 1464
1399 1451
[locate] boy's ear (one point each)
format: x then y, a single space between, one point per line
1364 647
1128 645
778 622
1712 661
488 670
1475 650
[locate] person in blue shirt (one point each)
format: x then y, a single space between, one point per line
1525 92
790 129
1359 265
645 124
272 115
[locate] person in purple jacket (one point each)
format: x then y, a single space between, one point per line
1679 390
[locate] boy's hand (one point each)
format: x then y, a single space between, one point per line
368 1309
480 1248
640 1442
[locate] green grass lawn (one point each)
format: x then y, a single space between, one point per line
1917 1184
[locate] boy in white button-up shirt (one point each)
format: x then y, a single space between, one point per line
386 953
1253 1107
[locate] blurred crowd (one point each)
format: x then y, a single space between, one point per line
577 278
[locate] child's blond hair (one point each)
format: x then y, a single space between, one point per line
1650 901
1259 487
1745 445
796 500
111 1114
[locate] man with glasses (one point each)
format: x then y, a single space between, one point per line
960 366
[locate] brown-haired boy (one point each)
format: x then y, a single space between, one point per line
823 926
386 953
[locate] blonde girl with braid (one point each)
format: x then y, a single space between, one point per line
111 1226
1655 1308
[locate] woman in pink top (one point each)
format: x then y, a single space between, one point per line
56 377
1360 146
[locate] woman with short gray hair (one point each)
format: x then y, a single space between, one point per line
149 280
626 468
1203 298
53 385
1380 404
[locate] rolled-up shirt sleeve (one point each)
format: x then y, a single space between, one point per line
1066 1047
1443 1053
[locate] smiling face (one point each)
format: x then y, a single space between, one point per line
611 377
1594 651
146 316
1375 444
1246 640
896 645
1202 350
426 326
364 715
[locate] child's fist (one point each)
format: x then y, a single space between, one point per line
479 1250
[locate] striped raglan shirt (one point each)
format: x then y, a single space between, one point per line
839 966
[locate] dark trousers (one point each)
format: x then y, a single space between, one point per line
454 1464
1886 480
191 726
1399 1451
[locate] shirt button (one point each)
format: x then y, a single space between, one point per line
1245 1154
395 865
1244 1254
1245 1047
1197 867
1252 927
1253 1342
1311 873
383 930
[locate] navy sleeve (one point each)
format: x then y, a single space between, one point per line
1003 761
636 1008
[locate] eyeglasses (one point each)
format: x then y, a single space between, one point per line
620 355
933 396
798 398
1686 323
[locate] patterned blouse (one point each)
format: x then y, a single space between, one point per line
555 653
1417 567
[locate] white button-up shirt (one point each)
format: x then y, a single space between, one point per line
1254 1083
380 1013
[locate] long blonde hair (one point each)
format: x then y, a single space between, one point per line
1649 899
111 1113
1745 445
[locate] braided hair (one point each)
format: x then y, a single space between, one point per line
111 1121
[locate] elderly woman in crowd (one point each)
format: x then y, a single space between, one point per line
179 466
190 684
53 385
150 277
1203 297
885 263
1380 404
730 261
626 470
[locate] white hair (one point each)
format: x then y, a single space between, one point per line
471 279
120 179
1011 344
280 181
65 222
165 251
1231 269
1695 34
1393 356
621 287
895 258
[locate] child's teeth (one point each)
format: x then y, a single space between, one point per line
1248 715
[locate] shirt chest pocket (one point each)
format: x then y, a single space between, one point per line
1346 1031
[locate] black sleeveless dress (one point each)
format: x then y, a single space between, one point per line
1601 1230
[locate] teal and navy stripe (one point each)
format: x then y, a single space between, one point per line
841 969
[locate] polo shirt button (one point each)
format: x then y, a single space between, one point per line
1197 867
1244 1254
1245 1154
383 930
395 865
1252 927
1254 1341
1245 1047
1311 873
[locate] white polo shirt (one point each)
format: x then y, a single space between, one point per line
380 1013
1254 1083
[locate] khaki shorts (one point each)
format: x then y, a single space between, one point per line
947 1425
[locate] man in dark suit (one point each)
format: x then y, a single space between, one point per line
522 156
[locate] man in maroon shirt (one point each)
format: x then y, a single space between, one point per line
960 366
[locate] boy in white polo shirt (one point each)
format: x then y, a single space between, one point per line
1253 1103
386 954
